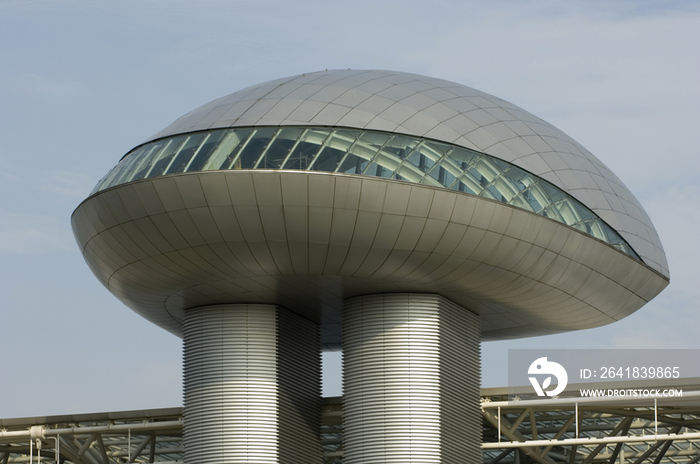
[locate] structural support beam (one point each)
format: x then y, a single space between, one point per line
412 376
141 447
622 428
618 447
252 386
503 454
513 434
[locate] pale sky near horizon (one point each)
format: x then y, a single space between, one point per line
82 82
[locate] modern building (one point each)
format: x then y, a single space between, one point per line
400 218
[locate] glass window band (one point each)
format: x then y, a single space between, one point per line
369 153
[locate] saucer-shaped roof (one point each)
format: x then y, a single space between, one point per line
309 190
443 111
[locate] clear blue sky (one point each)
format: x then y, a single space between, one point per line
82 82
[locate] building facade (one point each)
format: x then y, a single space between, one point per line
400 218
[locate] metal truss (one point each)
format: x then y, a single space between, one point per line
591 430
566 431
109 438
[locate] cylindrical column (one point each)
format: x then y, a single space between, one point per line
411 380
251 386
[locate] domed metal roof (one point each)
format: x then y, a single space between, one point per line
439 110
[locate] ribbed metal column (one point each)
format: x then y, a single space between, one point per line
411 380
252 386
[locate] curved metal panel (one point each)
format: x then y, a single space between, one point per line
366 153
437 109
308 240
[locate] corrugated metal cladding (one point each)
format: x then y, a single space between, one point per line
411 380
252 386
440 110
